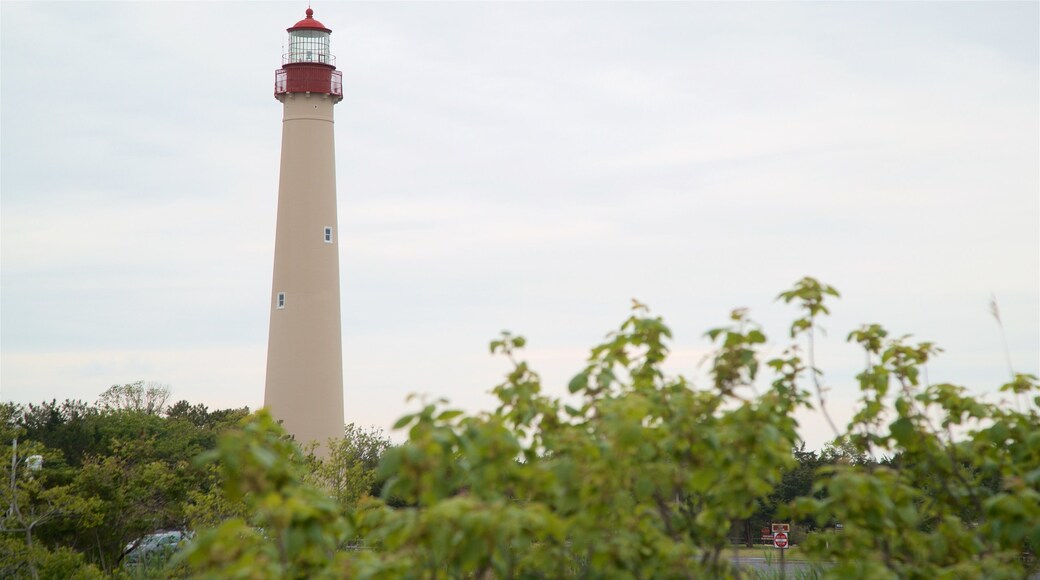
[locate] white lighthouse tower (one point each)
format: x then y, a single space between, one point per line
304 386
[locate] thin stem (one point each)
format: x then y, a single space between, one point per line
1007 350
816 382
1003 336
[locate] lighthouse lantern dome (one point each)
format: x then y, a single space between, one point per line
309 42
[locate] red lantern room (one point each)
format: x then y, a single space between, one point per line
308 67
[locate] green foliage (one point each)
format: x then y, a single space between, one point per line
963 489
33 501
112 472
18 560
207 505
635 474
294 529
349 471
70 426
641 475
642 478
932 511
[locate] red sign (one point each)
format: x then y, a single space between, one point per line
785 528
780 540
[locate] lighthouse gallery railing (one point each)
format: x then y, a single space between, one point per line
302 79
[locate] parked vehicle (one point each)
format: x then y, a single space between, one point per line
156 547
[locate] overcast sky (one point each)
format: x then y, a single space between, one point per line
522 166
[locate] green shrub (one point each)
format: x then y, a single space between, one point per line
642 475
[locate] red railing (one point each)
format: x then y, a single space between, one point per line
308 79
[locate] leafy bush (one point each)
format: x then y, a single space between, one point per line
643 475
18 560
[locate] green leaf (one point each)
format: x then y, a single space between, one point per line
579 382
403 421
902 430
448 415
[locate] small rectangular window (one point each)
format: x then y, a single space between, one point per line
281 300
328 235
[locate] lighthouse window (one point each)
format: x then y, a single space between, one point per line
309 46
328 235
281 300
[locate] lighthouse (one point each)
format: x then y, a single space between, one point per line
304 387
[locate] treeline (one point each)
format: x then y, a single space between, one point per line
90 480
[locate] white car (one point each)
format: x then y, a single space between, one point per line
158 546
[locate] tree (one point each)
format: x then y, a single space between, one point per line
963 489
69 426
349 473
140 397
31 502
293 529
796 482
131 464
17 560
144 474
